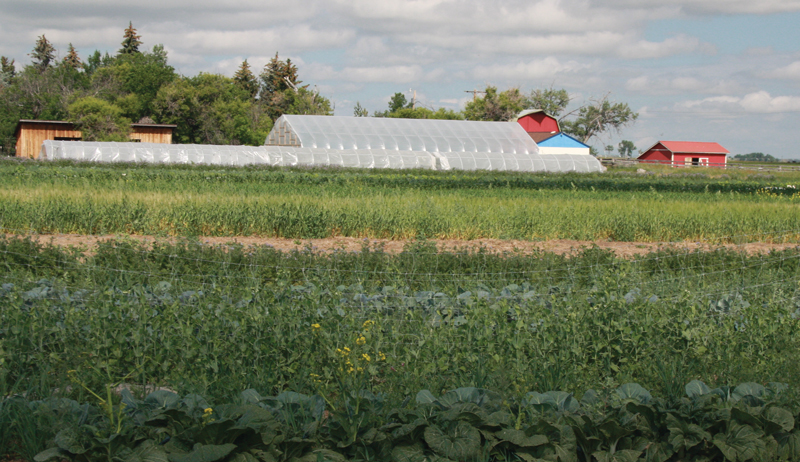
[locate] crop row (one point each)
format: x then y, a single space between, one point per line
314 204
467 424
216 320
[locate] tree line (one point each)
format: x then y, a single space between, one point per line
599 116
103 94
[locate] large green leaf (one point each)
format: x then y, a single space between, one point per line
207 453
634 391
739 443
789 446
696 388
52 453
624 455
590 398
146 452
565 401
780 417
684 434
408 453
520 438
322 455
425 397
162 399
250 396
541 401
460 441
755 390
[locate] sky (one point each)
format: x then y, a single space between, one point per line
700 70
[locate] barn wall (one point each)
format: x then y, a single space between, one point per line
31 137
714 160
654 155
152 135
538 123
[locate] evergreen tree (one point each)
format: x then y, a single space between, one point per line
279 76
130 41
245 79
7 71
72 60
43 53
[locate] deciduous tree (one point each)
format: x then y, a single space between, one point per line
599 117
99 120
549 100
626 148
494 106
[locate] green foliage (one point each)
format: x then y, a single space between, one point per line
246 80
425 113
465 424
72 59
549 100
7 71
626 148
99 120
755 157
43 54
599 117
130 41
359 111
494 106
279 76
211 109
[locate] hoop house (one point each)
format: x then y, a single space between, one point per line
298 140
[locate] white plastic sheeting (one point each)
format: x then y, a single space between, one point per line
294 156
431 135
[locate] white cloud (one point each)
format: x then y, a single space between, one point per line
760 102
789 72
680 85
546 68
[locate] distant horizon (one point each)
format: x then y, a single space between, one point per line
711 70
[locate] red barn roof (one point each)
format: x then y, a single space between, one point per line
694 146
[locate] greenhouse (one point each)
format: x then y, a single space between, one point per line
298 140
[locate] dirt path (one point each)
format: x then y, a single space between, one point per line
560 246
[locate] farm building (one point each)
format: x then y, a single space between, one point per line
361 142
680 153
31 133
561 143
538 124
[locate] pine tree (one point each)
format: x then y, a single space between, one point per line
245 79
130 41
279 76
72 60
7 71
43 53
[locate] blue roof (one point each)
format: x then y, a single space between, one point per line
561 140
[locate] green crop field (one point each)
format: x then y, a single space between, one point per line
189 201
316 355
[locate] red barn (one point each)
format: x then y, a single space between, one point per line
679 153
539 124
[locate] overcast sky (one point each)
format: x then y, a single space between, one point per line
702 70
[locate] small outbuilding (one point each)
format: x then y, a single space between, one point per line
561 143
31 134
686 153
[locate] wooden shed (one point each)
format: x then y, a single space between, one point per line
31 133
686 153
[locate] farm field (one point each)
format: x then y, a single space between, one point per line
360 333
202 201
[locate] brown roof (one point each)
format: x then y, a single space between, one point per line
541 136
155 125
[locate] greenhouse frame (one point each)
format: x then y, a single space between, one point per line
359 142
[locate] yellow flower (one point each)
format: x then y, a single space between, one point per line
367 324
366 357
207 410
361 340
350 371
360 369
315 326
381 356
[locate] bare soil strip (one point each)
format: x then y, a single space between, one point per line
560 246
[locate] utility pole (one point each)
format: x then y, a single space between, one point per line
474 93
413 98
